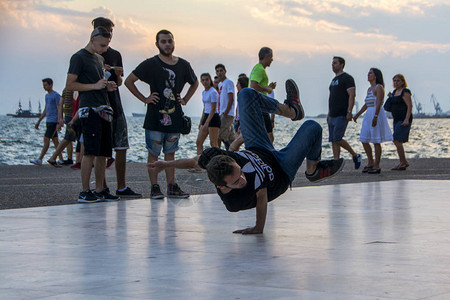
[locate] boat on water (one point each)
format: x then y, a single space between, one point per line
138 115
26 113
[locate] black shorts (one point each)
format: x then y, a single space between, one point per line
267 122
215 121
51 131
97 135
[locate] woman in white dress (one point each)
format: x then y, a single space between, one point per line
375 127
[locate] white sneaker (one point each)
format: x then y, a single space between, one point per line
36 161
60 162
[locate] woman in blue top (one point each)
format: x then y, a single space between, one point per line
402 114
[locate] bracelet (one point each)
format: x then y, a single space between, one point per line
349 111
376 116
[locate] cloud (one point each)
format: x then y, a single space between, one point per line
355 16
323 25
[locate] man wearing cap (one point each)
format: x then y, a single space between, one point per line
86 75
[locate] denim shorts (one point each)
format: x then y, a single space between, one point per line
336 128
156 140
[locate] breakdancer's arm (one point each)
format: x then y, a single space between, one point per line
183 163
261 212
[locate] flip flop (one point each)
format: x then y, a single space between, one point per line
374 171
400 167
396 168
54 163
366 169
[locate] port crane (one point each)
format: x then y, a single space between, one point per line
418 105
437 106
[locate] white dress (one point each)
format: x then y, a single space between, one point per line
380 133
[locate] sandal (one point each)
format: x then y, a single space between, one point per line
366 169
400 167
54 163
374 171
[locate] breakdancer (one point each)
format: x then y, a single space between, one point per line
253 177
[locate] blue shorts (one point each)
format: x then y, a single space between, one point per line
336 128
156 140
401 133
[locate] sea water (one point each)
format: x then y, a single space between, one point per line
20 141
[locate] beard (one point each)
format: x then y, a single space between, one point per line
164 53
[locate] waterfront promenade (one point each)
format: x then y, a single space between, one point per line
355 237
32 186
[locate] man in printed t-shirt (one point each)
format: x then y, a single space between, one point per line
253 177
260 82
166 75
340 106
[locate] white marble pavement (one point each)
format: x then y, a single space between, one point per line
380 240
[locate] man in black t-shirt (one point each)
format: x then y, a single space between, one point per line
253 177
86 75
340 106
112 61
166 75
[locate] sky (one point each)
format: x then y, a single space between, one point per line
38 37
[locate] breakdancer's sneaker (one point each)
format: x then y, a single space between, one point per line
293 99
326 169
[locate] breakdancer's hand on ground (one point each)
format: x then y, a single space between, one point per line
157 166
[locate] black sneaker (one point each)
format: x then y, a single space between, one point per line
88 197
293 99
357 161
156 192
326 169
128 193
106 196
174 191
67 162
